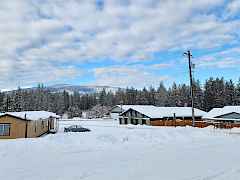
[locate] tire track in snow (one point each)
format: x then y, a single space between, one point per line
217 176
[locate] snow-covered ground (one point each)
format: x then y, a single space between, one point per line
113 152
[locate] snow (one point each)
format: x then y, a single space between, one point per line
111 151
126 107
161 112
32 115
215 112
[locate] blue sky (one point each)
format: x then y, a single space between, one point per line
117 42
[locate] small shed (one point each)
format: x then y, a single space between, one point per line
228 116
27 124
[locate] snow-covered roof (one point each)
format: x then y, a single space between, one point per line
32 115
216 112
161 112
126 107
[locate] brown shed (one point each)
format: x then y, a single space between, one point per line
28 124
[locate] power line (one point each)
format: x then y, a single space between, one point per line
189 55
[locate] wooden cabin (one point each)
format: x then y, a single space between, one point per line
161 116
28 124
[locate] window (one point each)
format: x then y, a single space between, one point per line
5 129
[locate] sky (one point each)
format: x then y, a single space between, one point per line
118 43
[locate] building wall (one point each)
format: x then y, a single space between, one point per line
114 116
18 127
230 116
37 128
135 121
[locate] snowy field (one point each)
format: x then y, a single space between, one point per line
113 152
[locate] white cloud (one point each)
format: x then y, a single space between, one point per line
162 65
121 76
223 59
233 7
51 32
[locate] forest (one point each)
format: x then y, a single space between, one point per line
215 92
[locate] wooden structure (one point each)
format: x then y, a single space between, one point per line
118 109
162 116
28 124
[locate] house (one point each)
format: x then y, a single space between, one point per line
226 117
161 116
65 115
84 114
98 111
118 109
27 124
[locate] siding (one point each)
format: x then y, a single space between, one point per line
37 128
18 127
230 116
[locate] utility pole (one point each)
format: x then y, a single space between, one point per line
189 55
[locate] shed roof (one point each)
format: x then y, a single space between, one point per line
161 112
31 115
216 112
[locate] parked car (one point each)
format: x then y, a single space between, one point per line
76 128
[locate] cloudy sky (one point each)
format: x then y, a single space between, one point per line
117 42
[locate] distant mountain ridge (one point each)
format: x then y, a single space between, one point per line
81 89
76 88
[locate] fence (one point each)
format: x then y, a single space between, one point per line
178 122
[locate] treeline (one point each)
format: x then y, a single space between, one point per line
214 93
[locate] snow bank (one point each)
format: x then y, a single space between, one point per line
111 151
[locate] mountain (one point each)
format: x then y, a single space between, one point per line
81 89
74 88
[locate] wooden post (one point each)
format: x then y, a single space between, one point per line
189 55
26 130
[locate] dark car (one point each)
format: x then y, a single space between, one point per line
76 128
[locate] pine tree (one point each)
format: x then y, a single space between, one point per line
18 100
237 94
198 95
229 93
161 95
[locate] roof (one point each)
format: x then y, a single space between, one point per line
31 115
161 112
126 107
216 112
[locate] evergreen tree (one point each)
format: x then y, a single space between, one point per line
229 94
161 95
237 94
